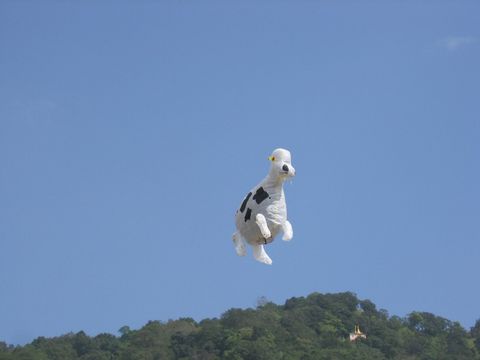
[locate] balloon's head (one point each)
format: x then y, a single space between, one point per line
281 164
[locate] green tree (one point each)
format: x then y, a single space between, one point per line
475 333
315 327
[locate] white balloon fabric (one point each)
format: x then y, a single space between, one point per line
263 212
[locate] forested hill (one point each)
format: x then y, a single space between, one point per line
312 327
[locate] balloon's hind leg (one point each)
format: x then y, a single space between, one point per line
239 244
260 255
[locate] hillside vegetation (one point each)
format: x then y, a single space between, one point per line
313 327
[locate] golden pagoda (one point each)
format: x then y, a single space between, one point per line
357 334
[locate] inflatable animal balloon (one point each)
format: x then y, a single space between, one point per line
263 212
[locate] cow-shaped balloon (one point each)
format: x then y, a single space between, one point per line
263 212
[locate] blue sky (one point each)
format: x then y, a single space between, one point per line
130 133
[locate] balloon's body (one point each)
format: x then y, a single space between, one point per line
263 213
268 200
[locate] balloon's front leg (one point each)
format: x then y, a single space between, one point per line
287 231
262 224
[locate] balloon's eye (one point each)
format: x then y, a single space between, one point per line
271 158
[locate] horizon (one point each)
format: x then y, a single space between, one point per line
260 301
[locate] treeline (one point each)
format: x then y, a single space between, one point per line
314 327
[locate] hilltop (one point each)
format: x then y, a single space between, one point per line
313 327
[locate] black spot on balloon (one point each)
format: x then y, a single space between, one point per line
285 168
248 214
260 195
244 203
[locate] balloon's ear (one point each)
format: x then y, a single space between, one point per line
271 158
